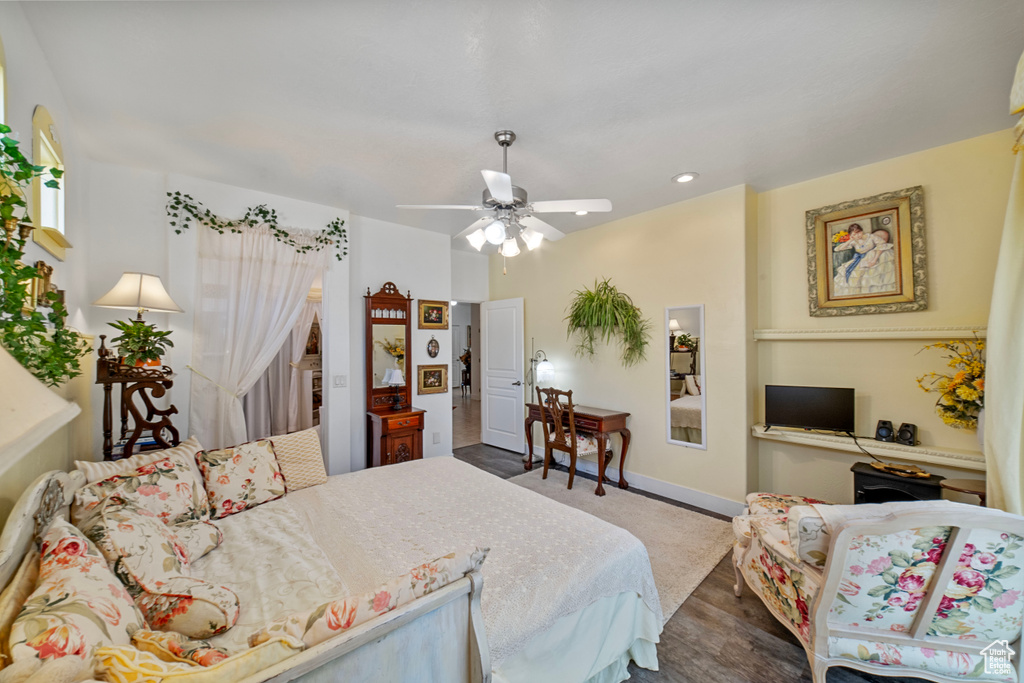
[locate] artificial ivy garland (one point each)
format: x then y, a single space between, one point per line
183 210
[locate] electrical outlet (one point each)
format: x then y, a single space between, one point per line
340 381
437 437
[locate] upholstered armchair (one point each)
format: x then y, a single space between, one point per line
930 589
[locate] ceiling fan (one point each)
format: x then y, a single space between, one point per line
510 221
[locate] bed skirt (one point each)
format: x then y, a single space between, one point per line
594 645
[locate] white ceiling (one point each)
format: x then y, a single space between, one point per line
367 104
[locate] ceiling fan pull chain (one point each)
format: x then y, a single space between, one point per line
504 270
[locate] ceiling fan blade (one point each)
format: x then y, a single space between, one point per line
477 224
572 206
465 207
550 232
500 185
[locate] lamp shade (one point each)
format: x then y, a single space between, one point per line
137 291
545 371
673 325
387 375
397 379
29 411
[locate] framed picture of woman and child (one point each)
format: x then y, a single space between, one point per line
868 255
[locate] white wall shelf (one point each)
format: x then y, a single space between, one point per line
853 333
949 457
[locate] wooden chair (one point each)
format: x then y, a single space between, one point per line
560 432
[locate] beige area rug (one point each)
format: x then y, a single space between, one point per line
684 546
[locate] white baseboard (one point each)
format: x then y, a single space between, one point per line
706 501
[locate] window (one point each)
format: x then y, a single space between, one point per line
48 202
3 84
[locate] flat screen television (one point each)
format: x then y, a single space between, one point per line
827 408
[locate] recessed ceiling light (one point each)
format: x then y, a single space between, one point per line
685 177
581 213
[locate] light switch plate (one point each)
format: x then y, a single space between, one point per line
340 381
437 437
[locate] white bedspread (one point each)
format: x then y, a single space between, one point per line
686 411
285 571
547 560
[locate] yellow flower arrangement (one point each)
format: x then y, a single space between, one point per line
395 348
841 236
961 395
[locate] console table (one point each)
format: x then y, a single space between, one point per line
599 421
134 380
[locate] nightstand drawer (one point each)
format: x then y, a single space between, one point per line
584 424
406 422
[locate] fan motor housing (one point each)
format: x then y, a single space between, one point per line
518 197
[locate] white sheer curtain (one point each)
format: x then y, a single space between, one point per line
300 399
249 294
266 405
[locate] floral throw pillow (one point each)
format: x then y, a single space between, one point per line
167 488
241 477
152 562
78 604
331 618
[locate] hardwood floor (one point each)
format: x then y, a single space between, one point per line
714 637
465 420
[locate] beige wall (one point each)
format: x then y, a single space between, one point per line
687 253
966 186
744 257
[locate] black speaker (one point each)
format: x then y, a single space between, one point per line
907 434
884 431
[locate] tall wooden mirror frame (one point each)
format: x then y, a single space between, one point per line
387 307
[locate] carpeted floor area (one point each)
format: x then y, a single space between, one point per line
683 546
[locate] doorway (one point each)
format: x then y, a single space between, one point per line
289 395
465 378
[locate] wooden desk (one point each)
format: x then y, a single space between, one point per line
599 421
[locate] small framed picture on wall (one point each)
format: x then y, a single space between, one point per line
432 379
433 315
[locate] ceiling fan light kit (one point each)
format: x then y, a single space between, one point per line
510 216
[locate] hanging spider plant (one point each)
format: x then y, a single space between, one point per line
603 313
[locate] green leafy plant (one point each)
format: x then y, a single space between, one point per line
684 340
42 343
139 341
183 211
603 313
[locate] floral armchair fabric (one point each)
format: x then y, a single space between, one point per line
916 589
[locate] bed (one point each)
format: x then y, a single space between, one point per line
686 418
569 597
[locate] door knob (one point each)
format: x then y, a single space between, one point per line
517 384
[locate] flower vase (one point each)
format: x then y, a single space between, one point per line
981 429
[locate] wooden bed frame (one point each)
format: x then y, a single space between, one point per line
399 645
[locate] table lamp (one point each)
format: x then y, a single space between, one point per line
139 292
396 380
29 411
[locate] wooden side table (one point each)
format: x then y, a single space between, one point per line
973 486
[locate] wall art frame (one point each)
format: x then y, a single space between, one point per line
432 379
433 315
868 255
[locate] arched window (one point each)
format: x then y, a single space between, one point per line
48 202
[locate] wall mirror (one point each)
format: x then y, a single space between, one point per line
388 328
685 382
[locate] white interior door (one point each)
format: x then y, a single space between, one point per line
502 415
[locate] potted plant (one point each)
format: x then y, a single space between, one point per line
43 344
140 344
684 342
605 312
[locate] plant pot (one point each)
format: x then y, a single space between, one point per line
156 363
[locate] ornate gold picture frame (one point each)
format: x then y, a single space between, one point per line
868 255
432 379
433 315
